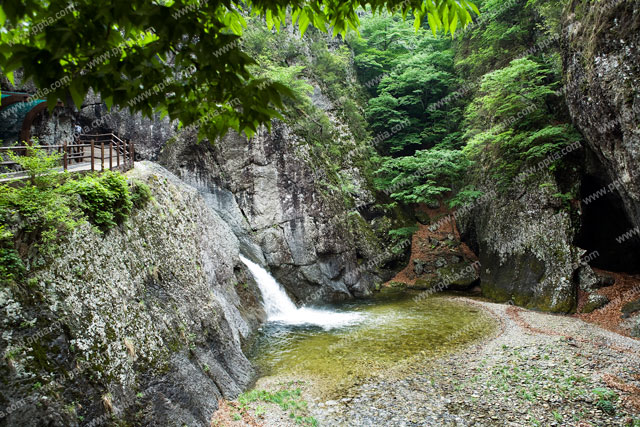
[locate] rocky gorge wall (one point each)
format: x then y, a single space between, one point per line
536 250
300 197
271 190
324 238
601 62
524 239
144 323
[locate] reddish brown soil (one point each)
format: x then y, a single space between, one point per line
626 289
421 248
633 398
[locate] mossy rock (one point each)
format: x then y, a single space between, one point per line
460 276
397 285
594 302
519 280
631 307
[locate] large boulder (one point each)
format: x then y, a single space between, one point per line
631 308
632 325
524 240
594 302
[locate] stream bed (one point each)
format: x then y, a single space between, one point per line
392 331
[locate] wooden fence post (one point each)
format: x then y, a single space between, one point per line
111 155
64 155
118 154
102 156
131 153
93 165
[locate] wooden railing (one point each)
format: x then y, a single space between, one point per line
89 152
124 152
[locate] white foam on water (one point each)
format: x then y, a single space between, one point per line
281 309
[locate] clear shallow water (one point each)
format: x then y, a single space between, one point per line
385 332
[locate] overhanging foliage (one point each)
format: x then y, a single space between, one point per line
178 58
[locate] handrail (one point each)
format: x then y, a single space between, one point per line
118 153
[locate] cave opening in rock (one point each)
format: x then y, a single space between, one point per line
606 227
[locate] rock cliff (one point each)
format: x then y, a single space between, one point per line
529 241
601 60
285 213
144 323
524 240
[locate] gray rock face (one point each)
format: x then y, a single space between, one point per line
270 190
526 243
632 324
605 280
587 279
525 247
148 135
601 60
148 319
631 307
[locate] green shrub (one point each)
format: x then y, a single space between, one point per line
465 196
423 177
511 124
105 199
38 211
38 165
606 399
140 193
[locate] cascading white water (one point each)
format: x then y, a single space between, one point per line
280 308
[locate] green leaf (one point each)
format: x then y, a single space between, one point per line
445 19
76 93
432 23
417 21
269 19
109 102
3 16
474 8
303 22
453 25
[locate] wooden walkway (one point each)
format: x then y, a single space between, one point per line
89 153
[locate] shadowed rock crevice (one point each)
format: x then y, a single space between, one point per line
604 228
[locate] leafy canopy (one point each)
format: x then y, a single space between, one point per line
423 177
510 123
181 58
406 73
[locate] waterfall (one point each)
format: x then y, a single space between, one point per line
280 308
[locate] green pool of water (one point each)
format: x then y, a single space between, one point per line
396 330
